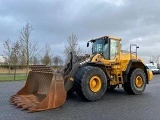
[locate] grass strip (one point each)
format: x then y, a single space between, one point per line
11 77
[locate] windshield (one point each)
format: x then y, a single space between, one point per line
100 46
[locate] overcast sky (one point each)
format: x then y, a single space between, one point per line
53 21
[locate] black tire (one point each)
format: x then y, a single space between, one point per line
83 86
71 91
133 87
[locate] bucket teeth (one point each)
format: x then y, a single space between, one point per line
24 107
20 105
30 110
26 102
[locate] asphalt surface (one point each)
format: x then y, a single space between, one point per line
115 105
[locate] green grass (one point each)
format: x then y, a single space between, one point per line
10 77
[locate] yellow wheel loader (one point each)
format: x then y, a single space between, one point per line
89 76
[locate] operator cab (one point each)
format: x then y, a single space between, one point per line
107 46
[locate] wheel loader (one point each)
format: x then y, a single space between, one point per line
89 76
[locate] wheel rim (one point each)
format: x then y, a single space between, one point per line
139 81
95 84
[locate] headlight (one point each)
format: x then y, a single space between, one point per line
87 60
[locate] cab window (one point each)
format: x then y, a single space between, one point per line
113 48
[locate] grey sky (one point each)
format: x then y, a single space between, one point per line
135 21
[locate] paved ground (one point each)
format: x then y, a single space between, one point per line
113 106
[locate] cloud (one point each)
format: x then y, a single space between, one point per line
53 21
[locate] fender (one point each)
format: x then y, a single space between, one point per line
100 65
132 64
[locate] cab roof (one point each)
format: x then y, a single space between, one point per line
110 37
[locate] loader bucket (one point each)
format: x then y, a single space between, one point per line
44 89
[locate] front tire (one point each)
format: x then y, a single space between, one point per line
136 82
90 83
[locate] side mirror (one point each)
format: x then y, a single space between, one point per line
106 41
87 44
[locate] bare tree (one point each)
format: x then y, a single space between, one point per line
29 49
72 46
57 60
22 57
15 56
15 53
46 59
35 60
155 59
11 52
8 52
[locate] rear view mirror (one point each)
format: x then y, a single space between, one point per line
87 44
106 41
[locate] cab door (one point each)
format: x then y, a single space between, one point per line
113 48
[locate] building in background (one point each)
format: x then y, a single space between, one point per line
2 60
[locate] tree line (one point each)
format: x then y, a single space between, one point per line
24 52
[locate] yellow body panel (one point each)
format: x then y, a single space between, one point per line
120 64
121 61
150 74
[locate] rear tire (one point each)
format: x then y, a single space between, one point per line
136 82
90 83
